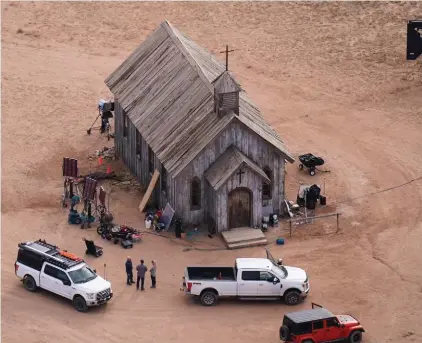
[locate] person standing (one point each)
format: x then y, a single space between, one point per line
153 272
178 227
141 269
129 271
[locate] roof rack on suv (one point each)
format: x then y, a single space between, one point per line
52 254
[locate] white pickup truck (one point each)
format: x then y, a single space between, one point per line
43 265
251 278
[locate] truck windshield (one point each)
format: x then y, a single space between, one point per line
280 270
82 275
276 266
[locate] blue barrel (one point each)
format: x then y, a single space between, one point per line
280 241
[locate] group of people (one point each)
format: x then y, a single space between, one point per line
141 270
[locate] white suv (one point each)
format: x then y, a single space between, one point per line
43 265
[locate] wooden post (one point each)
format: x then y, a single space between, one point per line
337 222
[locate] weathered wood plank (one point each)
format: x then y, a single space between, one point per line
175 124
210 66
156 108
226 84
149 191
209 127
242 234
170 148
130 88
171 32
260 152
167 111
148 45
227 163
149 96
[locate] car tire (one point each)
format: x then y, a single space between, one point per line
284 333
29 283
292 298
208 298
355 337
80 304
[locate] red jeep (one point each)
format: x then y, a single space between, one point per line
320 326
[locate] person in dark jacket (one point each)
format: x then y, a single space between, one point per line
178 227
129 271
141 270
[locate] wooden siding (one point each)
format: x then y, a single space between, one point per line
250 144
126 150
213 204
225 83
226 164
251 181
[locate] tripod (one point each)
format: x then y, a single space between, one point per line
105 115
87 214
71 189
99 115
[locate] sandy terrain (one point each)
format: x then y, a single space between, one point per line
330 77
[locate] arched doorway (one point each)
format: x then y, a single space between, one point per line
240 208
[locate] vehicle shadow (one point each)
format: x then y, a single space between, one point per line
67 304
255 304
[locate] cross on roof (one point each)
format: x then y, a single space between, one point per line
227 56
240 172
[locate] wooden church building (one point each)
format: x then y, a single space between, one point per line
178 110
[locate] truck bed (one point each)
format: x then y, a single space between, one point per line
210 273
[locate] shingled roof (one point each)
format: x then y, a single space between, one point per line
165 87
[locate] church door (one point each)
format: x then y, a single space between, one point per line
240 208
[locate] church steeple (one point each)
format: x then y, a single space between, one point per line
226 94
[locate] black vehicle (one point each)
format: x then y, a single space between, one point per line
311 162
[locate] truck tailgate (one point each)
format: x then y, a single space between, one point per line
184 286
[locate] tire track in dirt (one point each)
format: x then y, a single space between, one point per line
400 168
74 51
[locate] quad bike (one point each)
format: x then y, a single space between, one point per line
118 233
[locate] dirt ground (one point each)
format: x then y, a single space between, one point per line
330 77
